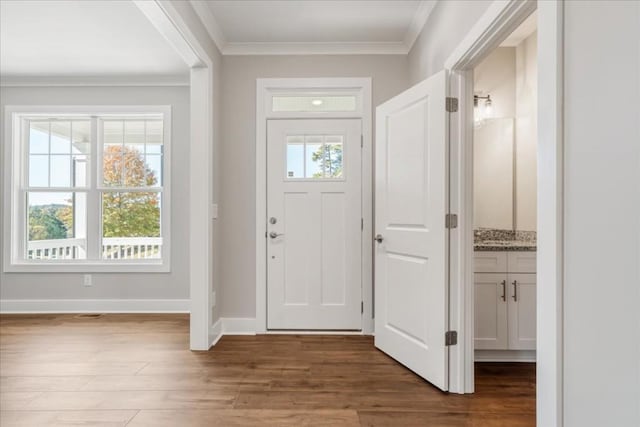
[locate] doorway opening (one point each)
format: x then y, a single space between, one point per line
505 199
314 206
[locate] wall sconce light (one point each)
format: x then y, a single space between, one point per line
481 113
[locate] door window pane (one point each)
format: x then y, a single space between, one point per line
131 225
56 225
313 157
295 157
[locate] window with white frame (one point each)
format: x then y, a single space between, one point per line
89 189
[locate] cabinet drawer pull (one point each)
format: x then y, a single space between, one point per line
504 290
515 290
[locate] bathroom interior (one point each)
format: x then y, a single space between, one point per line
504 162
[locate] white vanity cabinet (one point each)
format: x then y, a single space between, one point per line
505 300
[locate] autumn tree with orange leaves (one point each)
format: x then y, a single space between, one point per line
131 213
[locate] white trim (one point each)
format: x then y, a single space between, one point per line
550 237
238 326
94 81
528 356
31 306
160 19
488 32
174 26
403 47
308 48
14 215
418 22
263 88
215 333
210 23
501 19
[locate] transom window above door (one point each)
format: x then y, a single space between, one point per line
89 190
314 157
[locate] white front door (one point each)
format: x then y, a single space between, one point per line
314 251
411 292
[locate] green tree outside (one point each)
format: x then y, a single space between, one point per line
329 156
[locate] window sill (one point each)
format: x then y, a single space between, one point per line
91 267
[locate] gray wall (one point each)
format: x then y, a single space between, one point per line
602 214
445 28
237 215
173 285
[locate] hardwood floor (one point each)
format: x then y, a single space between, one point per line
136 370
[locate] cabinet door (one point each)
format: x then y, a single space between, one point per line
491 311
522 311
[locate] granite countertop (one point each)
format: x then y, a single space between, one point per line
487 239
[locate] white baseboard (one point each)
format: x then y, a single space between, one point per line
215 333
505 355
238 326
33 306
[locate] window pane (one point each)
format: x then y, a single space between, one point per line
60 137
154 136
295 157
333 157
39 170
112 165
56 226
134 132
314 103
131 225
39 137
80 170
313 157
60 171
154 170
81 137
113 132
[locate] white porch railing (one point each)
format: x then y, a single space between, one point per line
131 247
56 249
112 248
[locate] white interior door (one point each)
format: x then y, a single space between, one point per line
314 250
411 292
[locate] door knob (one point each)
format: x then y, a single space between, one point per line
273 234
378 238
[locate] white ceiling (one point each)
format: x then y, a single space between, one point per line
82 38
314 26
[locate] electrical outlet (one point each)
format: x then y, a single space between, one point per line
87 280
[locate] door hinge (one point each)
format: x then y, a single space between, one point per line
361 223
451 221
361 141
361 307
452 105
450 338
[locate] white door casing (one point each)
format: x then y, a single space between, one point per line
314 258
411 201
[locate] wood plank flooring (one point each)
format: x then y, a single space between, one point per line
136 370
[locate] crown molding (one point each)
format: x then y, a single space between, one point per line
302 48
70 81
418 22
210 23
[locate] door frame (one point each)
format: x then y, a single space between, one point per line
500 19
265 88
